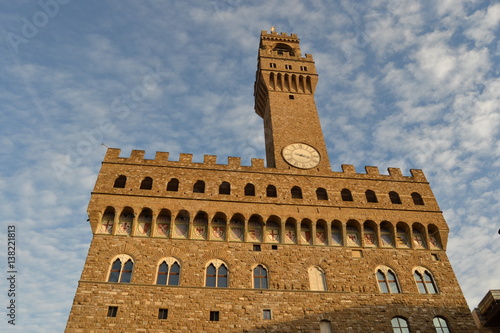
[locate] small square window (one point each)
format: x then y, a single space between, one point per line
162 313
266 314
112 311
274 247
435 257
291 97
256 247
214 315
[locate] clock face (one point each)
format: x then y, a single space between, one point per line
301 155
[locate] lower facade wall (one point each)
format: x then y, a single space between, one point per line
242 310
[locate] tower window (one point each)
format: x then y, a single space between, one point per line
169 272
250 190
162 313
387 281
120 182
346 195
121 270
266 314
321 194
303 68
440 325
291 97
394 196
173 185
417 199
225 188
288 66
112 311
271 191
272 65
296 192
256 247
425 282
316 279
216 275
147 183
371 196
400 325
214 315
260 277
199 187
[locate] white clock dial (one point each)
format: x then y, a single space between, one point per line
301 155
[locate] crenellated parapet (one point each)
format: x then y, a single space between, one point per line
257 165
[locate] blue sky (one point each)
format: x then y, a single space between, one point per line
401 84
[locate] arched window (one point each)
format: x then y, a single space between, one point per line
440 325
216 275
346 195
125 221
325 326
353 238
169 272
371 196
400 325
260 277
173 185
402 239
386 235
417 199
199 187
336 233
181 224
250 190
107 221
225 188
271 191
316 279
296 192
321 194
121 269
147 183
120 181
425 282
370 236
394 197
387 281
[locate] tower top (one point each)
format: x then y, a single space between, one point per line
284 98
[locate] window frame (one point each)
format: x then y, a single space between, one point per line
120 181
162 314
217 264
426 284
123 259
346 195
386 283
112 311
440 321
263 279
169 262
405 328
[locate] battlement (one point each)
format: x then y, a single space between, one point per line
257 165
274 35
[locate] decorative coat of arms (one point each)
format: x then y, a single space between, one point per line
218 232
144 229
290 236
163 229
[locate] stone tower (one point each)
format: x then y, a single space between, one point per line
180 246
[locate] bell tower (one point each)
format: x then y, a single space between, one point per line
284 98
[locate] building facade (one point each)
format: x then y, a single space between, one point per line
291 246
